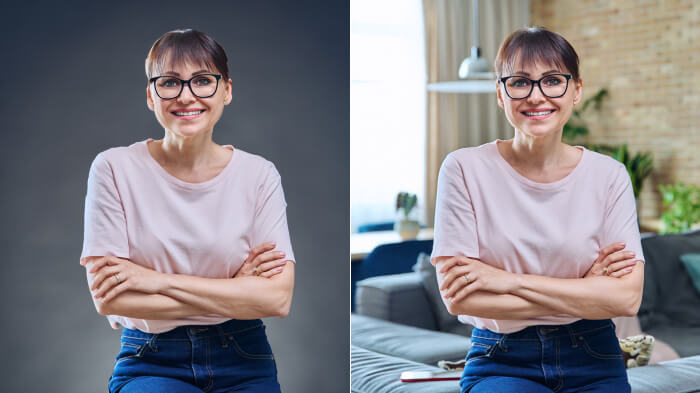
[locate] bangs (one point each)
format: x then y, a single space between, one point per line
536 45
186 47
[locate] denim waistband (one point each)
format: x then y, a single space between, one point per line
189 332
539 332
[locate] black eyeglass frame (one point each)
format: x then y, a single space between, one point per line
532 85
182 85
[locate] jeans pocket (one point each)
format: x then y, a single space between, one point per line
251 343
601 344
130 348
480 349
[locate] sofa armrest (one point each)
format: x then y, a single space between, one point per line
398 298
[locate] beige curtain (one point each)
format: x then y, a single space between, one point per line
461 120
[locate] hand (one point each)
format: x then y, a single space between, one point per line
115 275
617 261
263 262
463 276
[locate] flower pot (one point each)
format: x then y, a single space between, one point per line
407 229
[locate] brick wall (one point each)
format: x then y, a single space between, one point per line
647 53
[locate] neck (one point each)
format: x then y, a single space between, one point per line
537 153
188 152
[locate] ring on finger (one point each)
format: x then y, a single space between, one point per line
116 277
256 271
466 277
606 271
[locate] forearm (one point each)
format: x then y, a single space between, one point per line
589 298
237 298
141 305
491 305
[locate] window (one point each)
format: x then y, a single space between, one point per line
387 108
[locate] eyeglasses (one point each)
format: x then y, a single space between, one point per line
202 85
520 87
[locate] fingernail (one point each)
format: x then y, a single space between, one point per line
277 269
280 253
629 269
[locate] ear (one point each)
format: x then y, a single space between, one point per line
149 98
578 91
499 95
229 92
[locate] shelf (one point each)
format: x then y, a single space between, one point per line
470 86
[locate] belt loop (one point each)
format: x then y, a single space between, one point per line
572 336
222 336
502 343
152 342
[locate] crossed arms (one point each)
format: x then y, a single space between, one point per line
471 287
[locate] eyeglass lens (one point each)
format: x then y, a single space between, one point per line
202 86
552 86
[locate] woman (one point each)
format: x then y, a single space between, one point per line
186 241
536 241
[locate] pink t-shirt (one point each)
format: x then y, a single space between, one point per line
135 209
485 209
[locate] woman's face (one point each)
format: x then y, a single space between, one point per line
539 115
176 115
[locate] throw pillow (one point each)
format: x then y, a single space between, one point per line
445 321
692 265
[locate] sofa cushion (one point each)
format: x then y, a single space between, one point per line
398 298
675 376
418 345
692 265
672 299
685 340
445 321
372 372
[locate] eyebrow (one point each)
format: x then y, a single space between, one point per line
194 73
544 73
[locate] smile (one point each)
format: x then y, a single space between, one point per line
538 114
190 113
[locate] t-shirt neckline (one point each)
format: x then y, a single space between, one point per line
181 183
531 183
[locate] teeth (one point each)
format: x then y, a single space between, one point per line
188 113
538 113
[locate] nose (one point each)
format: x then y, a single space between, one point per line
186 95
536 94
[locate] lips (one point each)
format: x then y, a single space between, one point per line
188 114
538 113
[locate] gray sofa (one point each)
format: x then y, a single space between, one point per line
402 325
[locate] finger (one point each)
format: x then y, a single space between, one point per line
267 257
261 248
466 291
452 274
609 249
102 275
271 265
458 282
454 261
123 286
613 267
99 264
625 271
617 257
272 272
108 283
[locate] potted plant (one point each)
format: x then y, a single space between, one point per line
681 207
407 227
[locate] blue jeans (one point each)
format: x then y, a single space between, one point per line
231 356
583 356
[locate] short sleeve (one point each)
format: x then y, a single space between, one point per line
270 223
105 223
455 222
620 224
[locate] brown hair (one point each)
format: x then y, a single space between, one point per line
536 44
178 47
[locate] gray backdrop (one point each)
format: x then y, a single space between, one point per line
73 85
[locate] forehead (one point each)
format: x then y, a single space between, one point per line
533 63
182 63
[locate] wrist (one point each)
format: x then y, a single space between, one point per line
166 282
517 283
